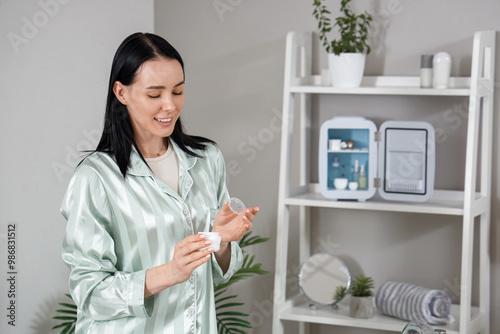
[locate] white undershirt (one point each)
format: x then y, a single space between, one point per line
166 168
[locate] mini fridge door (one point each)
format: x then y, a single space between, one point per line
338 178
406 161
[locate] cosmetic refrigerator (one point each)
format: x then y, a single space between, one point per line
397 160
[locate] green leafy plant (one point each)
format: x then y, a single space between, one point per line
231 321
353 29
362 286
339 292
69 320
228 321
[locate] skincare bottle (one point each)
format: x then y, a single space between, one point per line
362 178
355 172
441 69
426 73
334 172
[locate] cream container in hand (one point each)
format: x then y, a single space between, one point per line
214 237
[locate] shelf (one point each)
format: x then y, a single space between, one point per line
364 150
445 202
298 310
382 85
470 206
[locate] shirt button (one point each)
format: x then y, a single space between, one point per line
191 311
185 212
191 279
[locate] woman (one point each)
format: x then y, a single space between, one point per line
135 206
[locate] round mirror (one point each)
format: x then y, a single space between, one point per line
324 279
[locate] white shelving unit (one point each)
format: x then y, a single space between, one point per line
472 202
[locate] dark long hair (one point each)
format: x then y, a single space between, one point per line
117 136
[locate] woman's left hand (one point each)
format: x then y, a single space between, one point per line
231 226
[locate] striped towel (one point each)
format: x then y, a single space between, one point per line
414 303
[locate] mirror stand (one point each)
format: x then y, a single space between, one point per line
313 306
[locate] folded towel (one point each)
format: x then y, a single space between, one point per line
414 303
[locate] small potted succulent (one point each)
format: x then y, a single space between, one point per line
362 305
346 55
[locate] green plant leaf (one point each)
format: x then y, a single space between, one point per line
67 311
362 286
241 314
246 271
72 306
69 322
230 321
69 329
229 305
353 28
249 241
242 321
64 318
237 324
224 298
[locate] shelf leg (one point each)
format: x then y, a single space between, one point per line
281 265
305 248
283 218
466 274
484 270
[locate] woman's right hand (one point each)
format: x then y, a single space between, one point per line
187 257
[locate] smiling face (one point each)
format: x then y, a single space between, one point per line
154 102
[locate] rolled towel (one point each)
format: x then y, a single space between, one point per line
414 303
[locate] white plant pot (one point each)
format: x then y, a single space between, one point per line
362 307
346 69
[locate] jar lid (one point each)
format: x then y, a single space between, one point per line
442 57
237 206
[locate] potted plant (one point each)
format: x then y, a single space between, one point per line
362 305
346 55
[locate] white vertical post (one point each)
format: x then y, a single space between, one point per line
294 40
304 159
480 118
487 87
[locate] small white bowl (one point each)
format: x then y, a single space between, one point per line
353 185
340 183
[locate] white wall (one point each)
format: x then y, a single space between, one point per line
234 54
53 81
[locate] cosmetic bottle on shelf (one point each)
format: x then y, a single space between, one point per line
334 172
426 74
355 172
362 178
